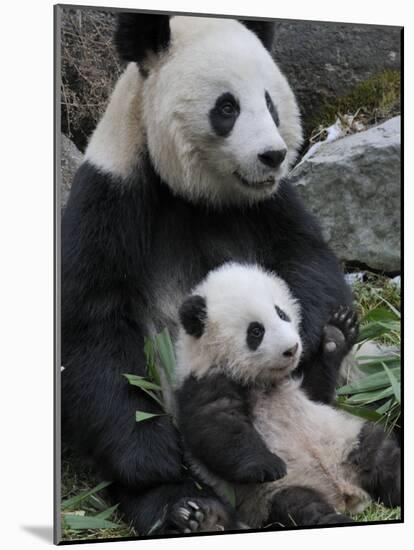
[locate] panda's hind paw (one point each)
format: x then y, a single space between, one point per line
196 515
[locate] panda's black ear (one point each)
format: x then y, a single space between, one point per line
264 30
193 315
138 34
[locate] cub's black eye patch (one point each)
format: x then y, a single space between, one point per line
224 114
272 109
284 316
193 315
255 333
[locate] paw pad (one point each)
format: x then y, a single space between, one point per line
330 346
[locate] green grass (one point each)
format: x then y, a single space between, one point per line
378 291
76 480
374 393
375 295
377 512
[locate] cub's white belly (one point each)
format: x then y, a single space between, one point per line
314 440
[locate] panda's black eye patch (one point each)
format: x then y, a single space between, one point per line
284 316
224 114
272 109
255 333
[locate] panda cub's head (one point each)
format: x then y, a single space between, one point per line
220 120
242 320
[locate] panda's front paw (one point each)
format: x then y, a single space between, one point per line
341 332
202 514
268 468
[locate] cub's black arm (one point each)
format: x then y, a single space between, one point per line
213 416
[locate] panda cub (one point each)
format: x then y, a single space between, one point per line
246 420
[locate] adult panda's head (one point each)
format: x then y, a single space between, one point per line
243 320
218 117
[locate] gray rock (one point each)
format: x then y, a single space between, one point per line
353 186
324 61
71 158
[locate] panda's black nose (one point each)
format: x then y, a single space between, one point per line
291 351
272 158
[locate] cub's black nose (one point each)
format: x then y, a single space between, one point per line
273 159
291 351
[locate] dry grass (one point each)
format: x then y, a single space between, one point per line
90 68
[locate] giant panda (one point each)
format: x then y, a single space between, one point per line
292 461
184 172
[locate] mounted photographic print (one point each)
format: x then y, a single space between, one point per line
228 274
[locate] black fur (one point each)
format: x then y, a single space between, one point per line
121 242
138 34
214 419
193 314
302 506
264 30
378 460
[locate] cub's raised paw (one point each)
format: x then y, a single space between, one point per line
202 514
341 332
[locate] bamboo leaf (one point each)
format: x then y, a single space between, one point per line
390 326
362 412
97 502
74 501
141 382
166 353
370 365
146 386
150 356
369 397
154 397
388 304
380 314
385 407
374 330
394 382
371 382
105 514
73 521
141 416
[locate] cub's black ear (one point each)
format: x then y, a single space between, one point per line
264 30
193 315
139 34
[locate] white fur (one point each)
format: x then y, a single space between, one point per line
118 141
207 57
237 295
313 439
